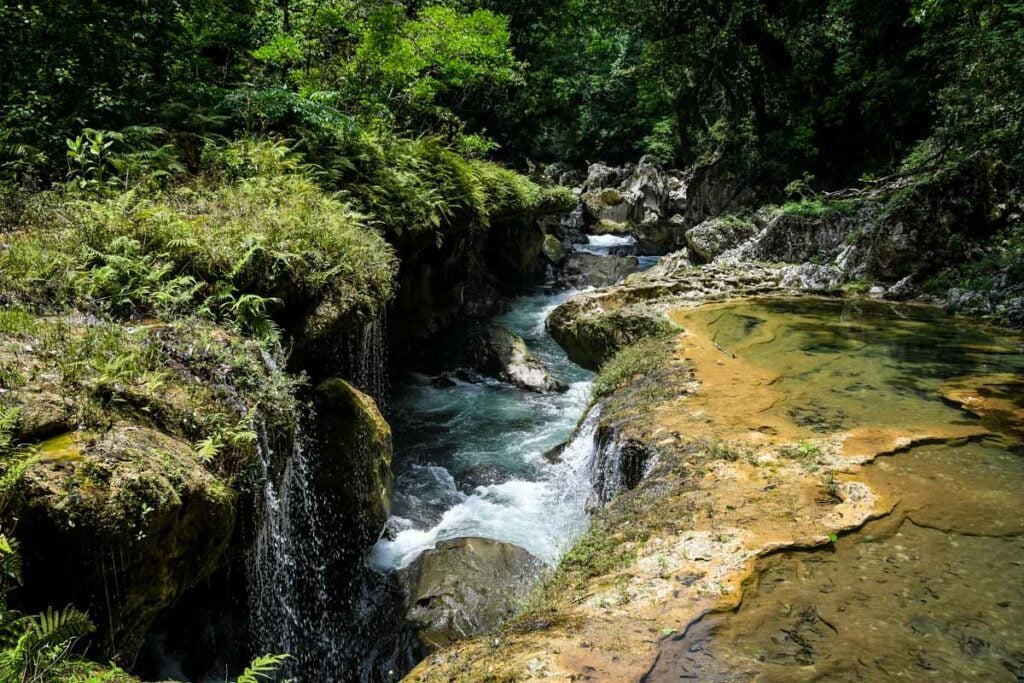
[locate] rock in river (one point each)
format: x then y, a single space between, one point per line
583 269
467 586
355 467
499 353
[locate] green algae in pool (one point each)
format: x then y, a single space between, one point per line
935 589
841 365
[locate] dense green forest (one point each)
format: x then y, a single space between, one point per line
234 163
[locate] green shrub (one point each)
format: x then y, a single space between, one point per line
814 207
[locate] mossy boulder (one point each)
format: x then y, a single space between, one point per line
467 586
591 334
354 470
553 249
120 524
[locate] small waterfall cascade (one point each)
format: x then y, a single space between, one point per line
366 359
544 516
289 593
305 575
618 465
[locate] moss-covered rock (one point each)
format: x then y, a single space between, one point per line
591 335
553 249
355 465
466 587
717 235
119 523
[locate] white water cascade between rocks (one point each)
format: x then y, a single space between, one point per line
473 458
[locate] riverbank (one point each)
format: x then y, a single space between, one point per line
749 454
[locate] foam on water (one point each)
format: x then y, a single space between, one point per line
543 516
611 240
470 457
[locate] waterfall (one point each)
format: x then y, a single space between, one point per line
544 516
289 592
308 585
619 464
365 359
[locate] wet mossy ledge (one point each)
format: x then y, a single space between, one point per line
157 338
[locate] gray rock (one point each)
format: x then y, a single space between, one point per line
968 302
611 210
902 290
1012 311
553 249
813 277
795 239
649 183
466 587
716 236
499 353
600 176
582 269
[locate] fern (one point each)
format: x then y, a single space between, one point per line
45 640
262 669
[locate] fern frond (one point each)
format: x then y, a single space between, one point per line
56 626
263 669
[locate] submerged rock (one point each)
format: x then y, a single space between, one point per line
499 353
355 465
467 586
583 269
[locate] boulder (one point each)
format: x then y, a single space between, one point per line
663 237
466 587
717 235
499 353
651 185
611 211
600 176
591 335
583 269
120 524
553 249
354 472
796 238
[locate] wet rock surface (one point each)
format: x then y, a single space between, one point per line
769 419
467 586
121 524
583 269
500 353
932 590
354 470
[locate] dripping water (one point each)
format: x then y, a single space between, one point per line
365 359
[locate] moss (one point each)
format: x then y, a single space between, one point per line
591 335
188 378
355 470
130 508
199 247
640 359
814 207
